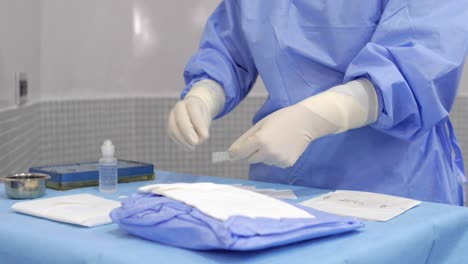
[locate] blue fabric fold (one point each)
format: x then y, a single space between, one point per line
167 221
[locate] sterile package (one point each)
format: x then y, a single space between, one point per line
274 193
363 205
207 225
80 209
219 156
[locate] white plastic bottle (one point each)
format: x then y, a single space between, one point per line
107 168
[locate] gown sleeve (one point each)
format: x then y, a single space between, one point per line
415 60
223 56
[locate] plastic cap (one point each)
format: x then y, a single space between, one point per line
107 148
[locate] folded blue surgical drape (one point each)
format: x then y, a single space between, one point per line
167 221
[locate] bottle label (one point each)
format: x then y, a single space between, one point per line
107 175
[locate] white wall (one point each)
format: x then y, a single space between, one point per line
114 48
108 48
19 47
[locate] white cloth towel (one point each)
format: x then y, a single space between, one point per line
223 201
80 209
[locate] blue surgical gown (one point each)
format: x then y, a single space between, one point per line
171 222
411 50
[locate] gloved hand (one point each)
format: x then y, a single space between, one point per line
190 119
280 138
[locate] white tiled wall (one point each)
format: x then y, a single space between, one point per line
60 132
72 131
464 82
20 139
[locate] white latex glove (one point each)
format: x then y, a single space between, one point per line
280 138
190 119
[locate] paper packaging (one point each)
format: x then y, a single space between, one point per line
274 193
80 209
222 201
220 157
363 205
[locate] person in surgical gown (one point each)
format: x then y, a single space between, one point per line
359 92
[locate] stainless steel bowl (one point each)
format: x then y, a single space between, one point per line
25 185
